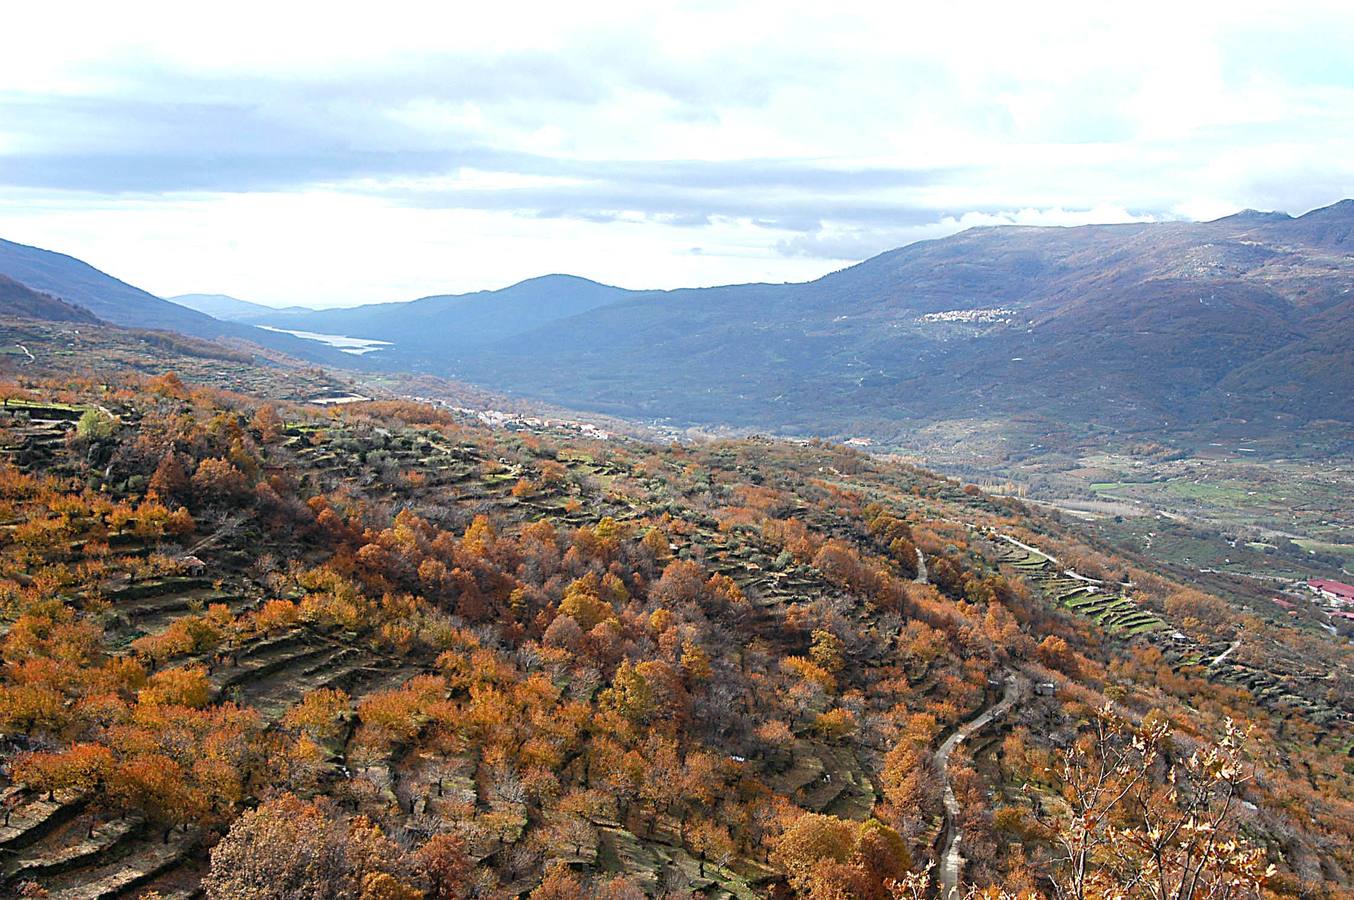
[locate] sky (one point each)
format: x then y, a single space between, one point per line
333 154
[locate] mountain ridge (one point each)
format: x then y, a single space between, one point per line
117 302
1200 301
21 300
228 308
427 323
1132 326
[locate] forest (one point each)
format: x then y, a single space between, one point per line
254 647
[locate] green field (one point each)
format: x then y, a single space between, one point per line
1345 550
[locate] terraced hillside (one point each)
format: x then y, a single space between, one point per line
239 631
1109 606
1279 684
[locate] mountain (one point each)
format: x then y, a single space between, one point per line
1135 326
230 309
449 659
119 303
19 300
1144 328
435 325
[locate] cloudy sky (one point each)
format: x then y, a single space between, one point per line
332 154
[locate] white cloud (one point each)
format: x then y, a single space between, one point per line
337 153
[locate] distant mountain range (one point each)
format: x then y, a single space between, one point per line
230 309
430 327
1137 327
118 303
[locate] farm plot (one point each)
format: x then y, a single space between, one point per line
1121 616
1112 611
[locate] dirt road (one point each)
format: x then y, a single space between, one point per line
951 857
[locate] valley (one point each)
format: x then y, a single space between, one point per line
563 656
708 452
1281 514
354 345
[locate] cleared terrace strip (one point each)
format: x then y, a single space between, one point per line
48 842
152 612
269 675
261 674
152 618
36 818
350 669
34 444
826 778
1087 597
647 859
56 853
125 868
1268 689
152 588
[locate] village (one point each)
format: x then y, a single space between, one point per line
1336 600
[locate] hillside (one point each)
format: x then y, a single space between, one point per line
120 303
1132 327
381 650
1156 328
18 300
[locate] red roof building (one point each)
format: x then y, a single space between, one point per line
1333 590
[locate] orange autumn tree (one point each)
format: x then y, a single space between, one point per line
827 857
290 848
1144 822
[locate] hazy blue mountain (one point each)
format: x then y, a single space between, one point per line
446 322
231 309
1138 326
19 300
120 303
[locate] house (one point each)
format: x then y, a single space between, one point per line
1334 591
1283 604
192 565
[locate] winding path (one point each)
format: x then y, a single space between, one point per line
1027 548
1070 573
921 567
1226 653
951 859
